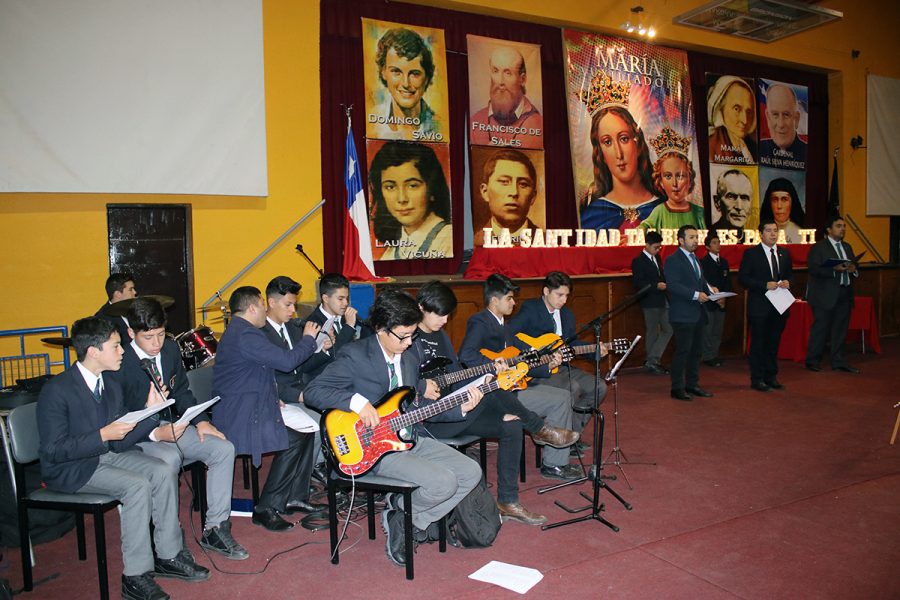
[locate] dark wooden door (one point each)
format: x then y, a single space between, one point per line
153 243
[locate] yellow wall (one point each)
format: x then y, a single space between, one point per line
54 246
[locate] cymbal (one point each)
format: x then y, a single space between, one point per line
62 342
120 308
214 308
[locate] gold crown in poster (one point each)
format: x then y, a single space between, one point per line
604 92
668 140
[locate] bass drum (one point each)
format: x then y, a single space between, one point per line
198 347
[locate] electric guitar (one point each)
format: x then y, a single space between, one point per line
352 448
551 340
436 368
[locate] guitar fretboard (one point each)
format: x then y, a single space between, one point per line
444 404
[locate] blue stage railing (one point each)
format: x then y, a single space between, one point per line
25 365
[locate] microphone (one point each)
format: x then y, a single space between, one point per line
146 367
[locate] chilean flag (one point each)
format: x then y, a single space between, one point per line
358 264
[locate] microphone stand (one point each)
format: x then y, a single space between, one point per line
299 248
595 476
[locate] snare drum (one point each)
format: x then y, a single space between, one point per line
198 347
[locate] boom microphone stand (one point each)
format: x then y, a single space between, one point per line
595 476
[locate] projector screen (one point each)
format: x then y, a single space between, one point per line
883 131
132 96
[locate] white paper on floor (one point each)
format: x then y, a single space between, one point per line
511 577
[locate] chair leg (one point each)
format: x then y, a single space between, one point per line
482 454
442 535
408 532
254 484
538 456
245 465
200 493
896 427
332 521
25 545
79 536
522 462
370 510
100 541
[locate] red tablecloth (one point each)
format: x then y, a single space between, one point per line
519 263
795 338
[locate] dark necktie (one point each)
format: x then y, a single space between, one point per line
845 277
774 263
97 392
281 333
337 326
695 265
394 381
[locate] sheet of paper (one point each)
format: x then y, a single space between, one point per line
136 416
297 419
324 333
193 411
720 295
781 299
511 577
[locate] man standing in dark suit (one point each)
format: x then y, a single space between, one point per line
763 268
85 449
285 332
549 314
646 269
360 375
334 307
150 349
830 295
249 413
687 289
488 330
119 286
715 270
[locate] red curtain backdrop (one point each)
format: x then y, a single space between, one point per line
342 85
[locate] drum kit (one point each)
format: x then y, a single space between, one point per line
198 346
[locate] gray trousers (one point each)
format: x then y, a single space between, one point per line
216 454
712 334
555 405
659 332
147 489
444 476
580 386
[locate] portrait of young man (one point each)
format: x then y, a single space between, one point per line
406 82
508 193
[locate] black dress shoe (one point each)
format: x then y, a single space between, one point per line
695 391
813 368
759 386
269 518
303 506
845 369
564 472
655 369
681 395
775 385
713 362
141 587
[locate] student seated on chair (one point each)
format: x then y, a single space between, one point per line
249 413
177 445
366 370
499 415
549 314
286 332
84 449
488 330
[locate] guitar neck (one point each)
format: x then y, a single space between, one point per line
448 379
444 404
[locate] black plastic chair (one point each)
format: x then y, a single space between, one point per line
372 484
24 442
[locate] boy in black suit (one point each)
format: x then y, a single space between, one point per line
119 286
84 449
365 371
175 445
715 270
646 269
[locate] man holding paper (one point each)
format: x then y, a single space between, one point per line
150 350
249 412
765 272
85 449
830 296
